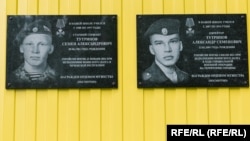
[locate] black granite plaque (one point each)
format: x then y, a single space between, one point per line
61 51
196 50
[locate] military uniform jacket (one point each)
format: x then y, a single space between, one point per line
155 77
21 78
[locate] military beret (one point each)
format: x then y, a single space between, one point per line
36 27
163 26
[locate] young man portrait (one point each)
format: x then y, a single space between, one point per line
35 45
166 46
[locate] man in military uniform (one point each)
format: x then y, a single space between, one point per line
35 43
165 45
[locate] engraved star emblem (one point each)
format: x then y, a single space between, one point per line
164 31
34 29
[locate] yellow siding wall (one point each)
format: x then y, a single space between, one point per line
126 113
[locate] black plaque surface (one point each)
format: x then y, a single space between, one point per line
84 55
214 51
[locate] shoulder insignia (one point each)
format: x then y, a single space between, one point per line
146 76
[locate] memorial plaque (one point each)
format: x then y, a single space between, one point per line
195 50
61 51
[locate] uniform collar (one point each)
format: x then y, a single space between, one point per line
170 73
